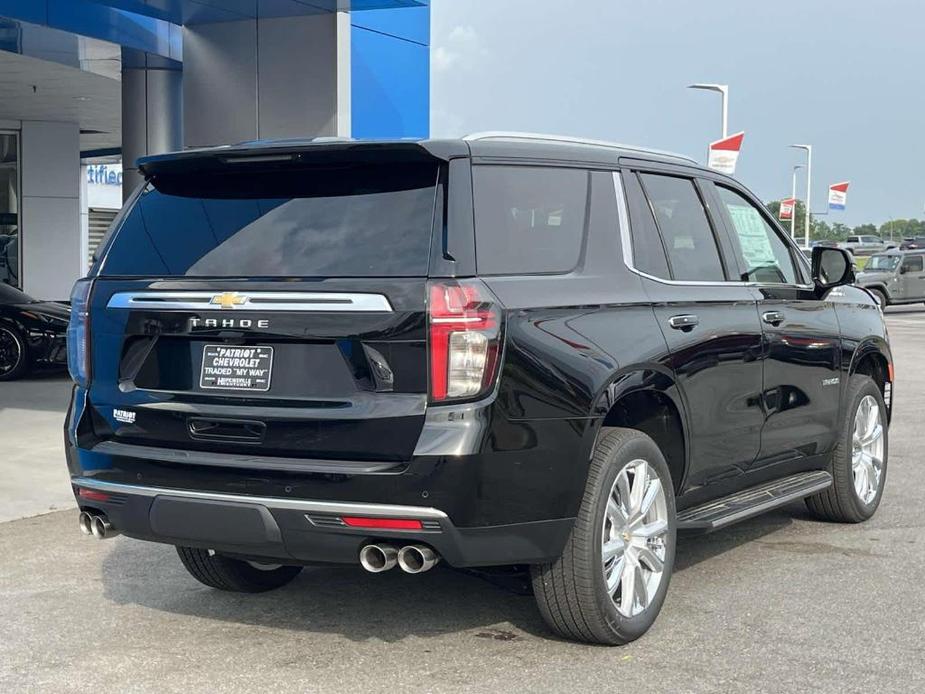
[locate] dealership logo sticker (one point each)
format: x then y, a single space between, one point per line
838 195
725 153
124 416
786 209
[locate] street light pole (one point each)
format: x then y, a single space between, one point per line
809 187
724 90
793 196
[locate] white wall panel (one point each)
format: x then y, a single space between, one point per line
51 159
51 231
51 246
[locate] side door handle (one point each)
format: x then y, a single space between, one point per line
772 317
686 322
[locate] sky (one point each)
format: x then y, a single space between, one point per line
846 77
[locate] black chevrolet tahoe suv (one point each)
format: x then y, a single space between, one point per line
507 349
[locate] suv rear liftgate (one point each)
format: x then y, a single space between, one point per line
260 333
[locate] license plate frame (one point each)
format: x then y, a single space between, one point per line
235 376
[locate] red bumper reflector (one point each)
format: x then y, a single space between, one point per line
382 523
93 495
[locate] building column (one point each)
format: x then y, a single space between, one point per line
274 77
152 111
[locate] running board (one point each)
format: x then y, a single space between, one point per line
753 501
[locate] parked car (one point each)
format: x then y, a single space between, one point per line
503 350
866 245
912 244
32 333
895 277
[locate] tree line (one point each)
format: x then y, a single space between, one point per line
821 229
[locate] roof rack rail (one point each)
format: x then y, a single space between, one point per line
542 137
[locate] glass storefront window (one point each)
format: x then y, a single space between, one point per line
9 208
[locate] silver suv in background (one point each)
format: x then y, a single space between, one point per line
866 245
895 277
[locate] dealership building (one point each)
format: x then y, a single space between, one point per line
89 86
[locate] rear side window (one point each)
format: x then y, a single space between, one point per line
529 219
334 221
648 251
686 232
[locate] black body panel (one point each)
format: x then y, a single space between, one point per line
754 402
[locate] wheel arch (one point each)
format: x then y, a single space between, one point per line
646 398
877 286
873 358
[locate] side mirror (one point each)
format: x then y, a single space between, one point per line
832 267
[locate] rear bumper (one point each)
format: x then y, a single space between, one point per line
305 531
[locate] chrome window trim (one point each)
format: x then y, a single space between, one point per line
308 506
627 248
252 301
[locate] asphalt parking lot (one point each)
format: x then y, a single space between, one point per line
780 603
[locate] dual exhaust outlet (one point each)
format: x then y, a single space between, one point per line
412 559
96 525
375 558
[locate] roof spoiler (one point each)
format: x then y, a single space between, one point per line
285 153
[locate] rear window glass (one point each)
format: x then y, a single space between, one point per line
369 220
528 220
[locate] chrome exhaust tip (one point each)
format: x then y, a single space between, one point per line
416 559
378 558
101 528
85 523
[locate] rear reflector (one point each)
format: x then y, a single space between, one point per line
383 523
93 495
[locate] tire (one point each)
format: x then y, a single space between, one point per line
11 339
235 575
841 502
881 297
571 592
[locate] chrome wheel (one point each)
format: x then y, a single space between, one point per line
633 541
10 351
867 449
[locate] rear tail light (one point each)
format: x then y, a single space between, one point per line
464 345
78 333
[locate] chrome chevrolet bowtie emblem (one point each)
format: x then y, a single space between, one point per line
229 300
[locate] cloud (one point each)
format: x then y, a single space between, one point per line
442 59
460 48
